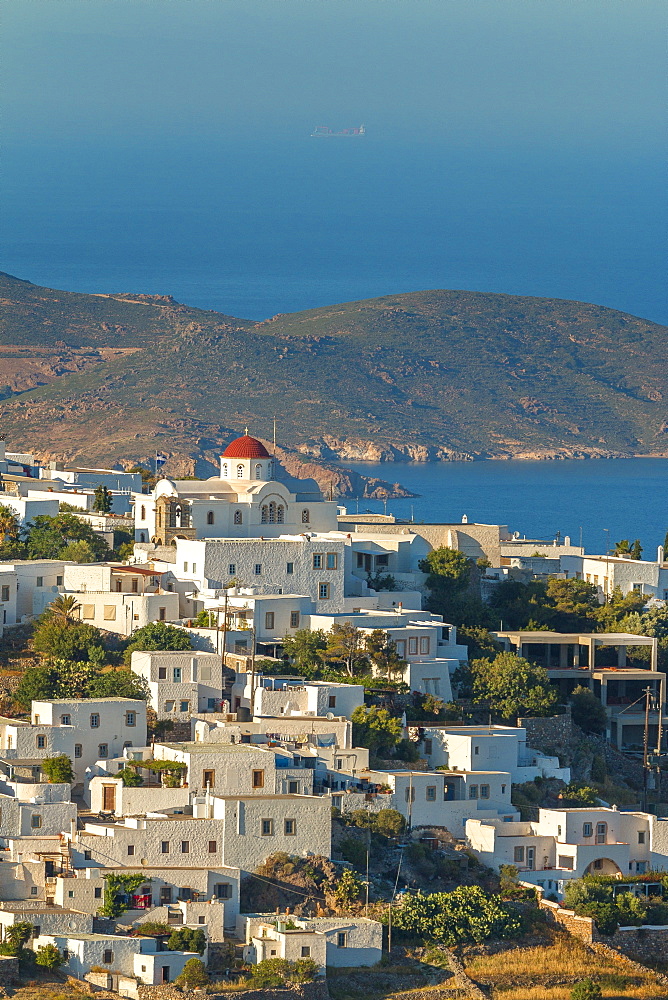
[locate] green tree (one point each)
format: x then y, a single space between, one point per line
64 610
448 574
79 552
376 729
382 652
587 711
512 686
194 975
579 795
118 684
349 888
46 537
389 823
586 989
36 684
465 915
130 777
72 641
17 936
305 649
187 939
636 549
574 605
345 644
622 548
665 547
58 769
103 500
10 528
157 635
49 957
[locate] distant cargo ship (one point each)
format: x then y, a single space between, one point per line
326 130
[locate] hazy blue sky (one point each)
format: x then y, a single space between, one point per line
557 69
163 146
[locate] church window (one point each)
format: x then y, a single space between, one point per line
280 514
240 472
272 513
270 470
306 517
238 517
143 513
258 472
209 517
265 514
225 469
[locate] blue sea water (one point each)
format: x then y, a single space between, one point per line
253 227
600 500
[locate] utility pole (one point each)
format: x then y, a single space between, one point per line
645 761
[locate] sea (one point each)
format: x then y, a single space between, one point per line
594 501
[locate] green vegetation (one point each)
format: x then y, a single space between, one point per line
586 989
187 939
509 685
102 500
194 975
130 778
275 972
379 363
157 635
66 679
587 711
594 896
116 890
58 769
49 957
376 729
467 914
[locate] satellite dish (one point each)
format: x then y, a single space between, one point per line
330 716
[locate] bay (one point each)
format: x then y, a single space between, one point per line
625 496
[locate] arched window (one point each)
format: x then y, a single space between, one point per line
209 517
143 513
270 470
240 472
258 472
225 469
306 516
142 536
272 513
238 517
160 517
280 514
265 513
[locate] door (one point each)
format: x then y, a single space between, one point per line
165 973
165 895
531 858
109 798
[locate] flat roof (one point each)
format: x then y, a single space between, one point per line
603 638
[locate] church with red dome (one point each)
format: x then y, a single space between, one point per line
251 498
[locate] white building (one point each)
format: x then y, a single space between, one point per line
119 598
181 683
246 501
430 798
329 941
280 695
567 844
486 748
103 727
34 585
233 768
235 831
33 741
137 957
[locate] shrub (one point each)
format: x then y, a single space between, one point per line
389 822
467 914
58 769
349 887
49 957
130 777
586 989
277 971
353 851
187 939
194 974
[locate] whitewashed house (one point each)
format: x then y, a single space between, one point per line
480 748
337 942
181 683
102 727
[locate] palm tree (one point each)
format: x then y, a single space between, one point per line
65 609
9 525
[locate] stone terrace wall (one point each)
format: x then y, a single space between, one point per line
579 927
546 734
165 991
9 970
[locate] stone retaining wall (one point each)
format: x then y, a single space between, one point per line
166 991
546 734
9 970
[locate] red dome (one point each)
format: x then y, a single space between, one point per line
246 447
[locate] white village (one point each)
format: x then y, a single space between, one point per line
129 825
